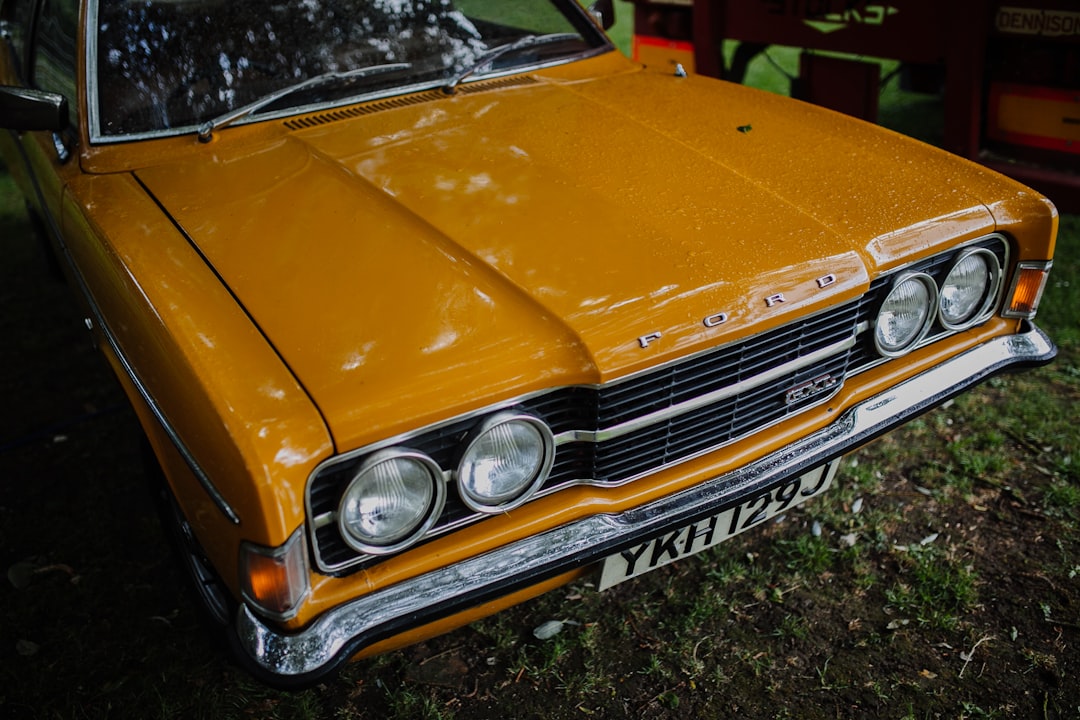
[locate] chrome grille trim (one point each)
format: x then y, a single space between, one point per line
625 428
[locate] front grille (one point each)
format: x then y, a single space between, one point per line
642 450
637 449
687 434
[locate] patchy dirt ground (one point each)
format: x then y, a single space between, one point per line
939 579
784 643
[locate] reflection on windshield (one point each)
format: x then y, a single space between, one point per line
173 64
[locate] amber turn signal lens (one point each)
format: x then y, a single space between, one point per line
275 580
1027 290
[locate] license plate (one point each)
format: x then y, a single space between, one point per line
713 530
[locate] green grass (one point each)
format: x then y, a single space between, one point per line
807 554
1059 307
1062 497
933 589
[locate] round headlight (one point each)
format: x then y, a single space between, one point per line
506 460
393 499
969 289
906 315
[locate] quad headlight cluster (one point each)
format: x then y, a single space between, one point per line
965 297
394 495
397 494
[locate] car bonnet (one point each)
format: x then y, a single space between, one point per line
420 260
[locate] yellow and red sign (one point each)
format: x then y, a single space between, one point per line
1038 117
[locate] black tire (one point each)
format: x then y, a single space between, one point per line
217 608
215 603
49 260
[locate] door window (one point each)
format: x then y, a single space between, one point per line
54 50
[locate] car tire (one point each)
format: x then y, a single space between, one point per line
49 259
215 603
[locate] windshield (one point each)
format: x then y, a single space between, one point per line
169 66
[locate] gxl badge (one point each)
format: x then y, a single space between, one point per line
809 389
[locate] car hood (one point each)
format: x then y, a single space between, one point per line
411 261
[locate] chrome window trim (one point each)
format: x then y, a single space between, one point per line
90 70
97 138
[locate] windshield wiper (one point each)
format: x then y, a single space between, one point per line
497 52
206 130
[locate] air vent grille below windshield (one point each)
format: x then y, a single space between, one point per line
354 111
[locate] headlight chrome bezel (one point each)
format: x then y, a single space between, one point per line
528 489
894 350
936 278
990 294
396 541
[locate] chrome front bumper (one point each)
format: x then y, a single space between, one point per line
303 657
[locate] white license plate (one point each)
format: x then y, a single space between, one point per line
713 530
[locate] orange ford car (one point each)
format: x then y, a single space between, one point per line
427 307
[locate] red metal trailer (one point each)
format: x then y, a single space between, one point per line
1009 70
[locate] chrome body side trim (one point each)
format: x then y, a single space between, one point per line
204 480
98 321
304 656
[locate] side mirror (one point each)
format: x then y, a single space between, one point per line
24 109
604 12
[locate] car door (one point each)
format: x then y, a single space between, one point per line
52 157
16 21
41 41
